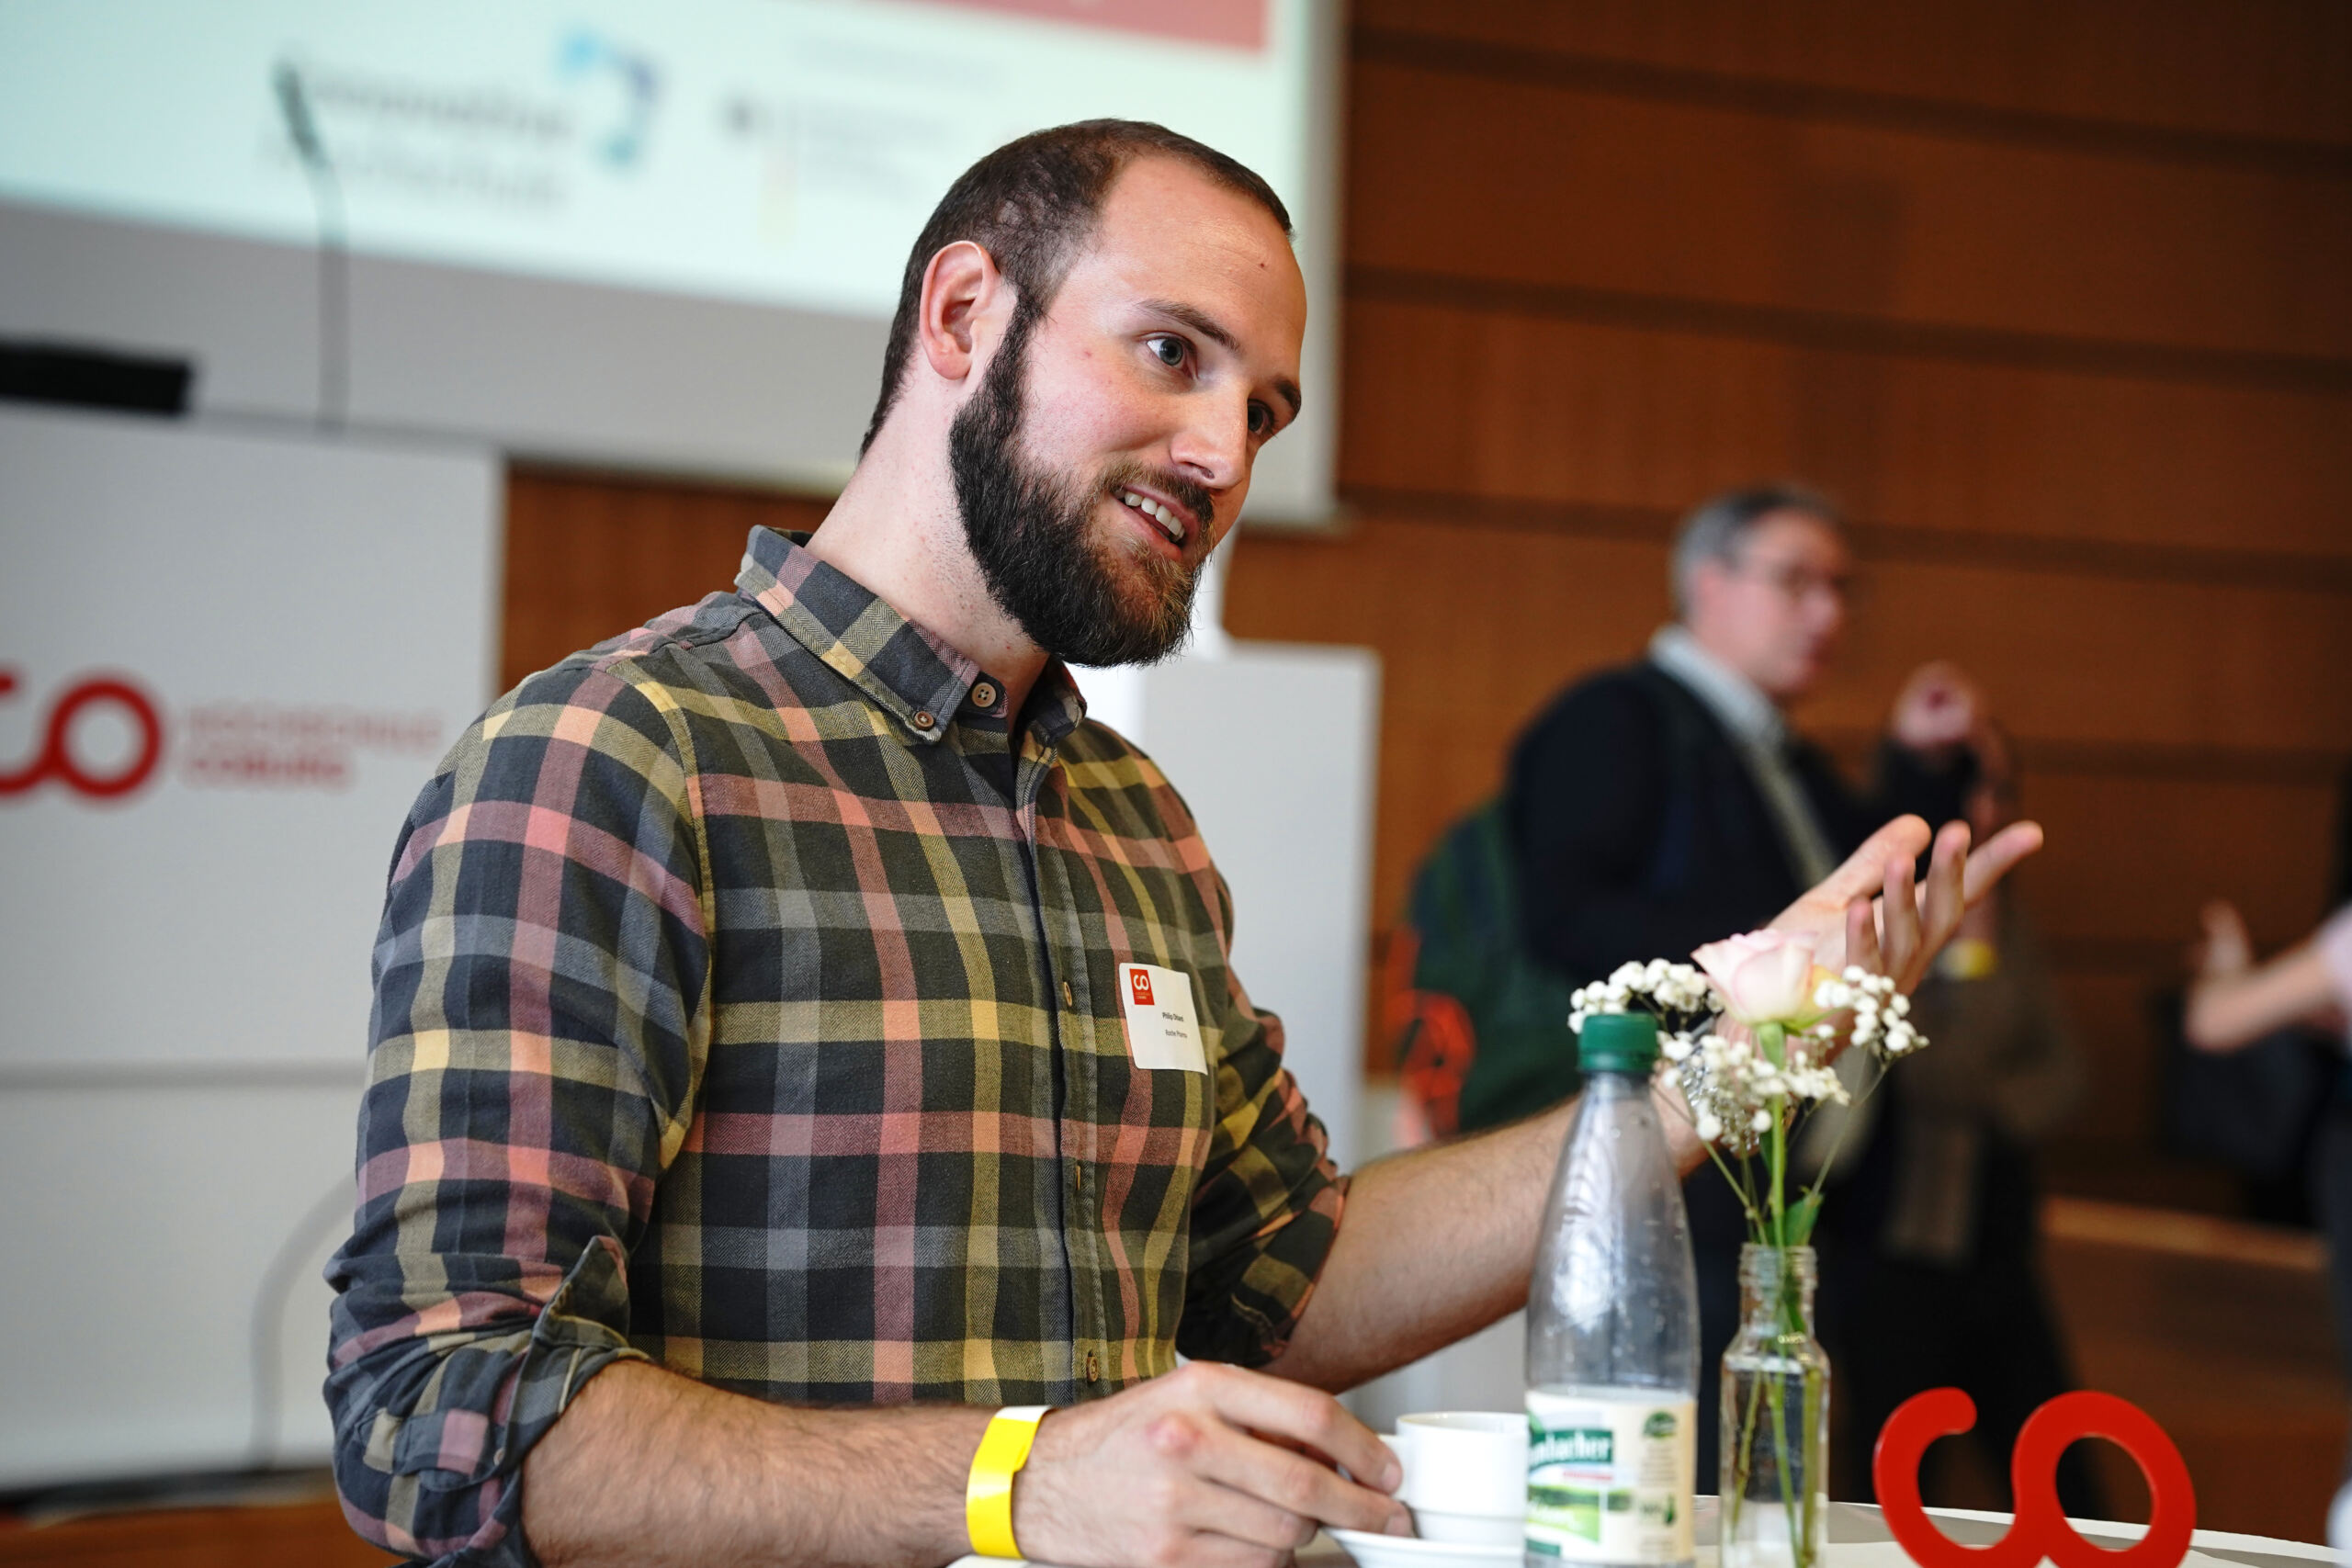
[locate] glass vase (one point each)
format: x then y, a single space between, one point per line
1775 1441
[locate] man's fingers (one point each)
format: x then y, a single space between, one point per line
1901 838
1282 1481
1943 902
1216 1510
1302 1415
1898 916
1995 856
1861 933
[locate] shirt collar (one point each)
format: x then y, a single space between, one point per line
908 670
1739 702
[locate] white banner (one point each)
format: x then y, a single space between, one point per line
227 664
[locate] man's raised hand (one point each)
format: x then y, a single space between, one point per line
1869 912
1197 1468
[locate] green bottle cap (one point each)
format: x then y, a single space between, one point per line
1618 1043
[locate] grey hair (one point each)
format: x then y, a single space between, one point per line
1717 529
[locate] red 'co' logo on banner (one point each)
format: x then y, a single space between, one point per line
229 744
1139 984
53 757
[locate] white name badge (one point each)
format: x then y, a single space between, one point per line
1161 1030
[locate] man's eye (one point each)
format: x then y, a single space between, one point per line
1170 350
1261 420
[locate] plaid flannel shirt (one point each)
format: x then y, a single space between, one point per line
730 1015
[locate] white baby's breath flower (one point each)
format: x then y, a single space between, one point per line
1738 1094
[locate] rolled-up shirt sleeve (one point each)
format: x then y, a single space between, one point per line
536 1043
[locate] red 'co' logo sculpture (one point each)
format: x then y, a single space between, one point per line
2041 1529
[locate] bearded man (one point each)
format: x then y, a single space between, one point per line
759 1095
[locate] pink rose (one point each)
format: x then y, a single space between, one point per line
1765 976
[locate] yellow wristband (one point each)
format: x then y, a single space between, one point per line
987 1494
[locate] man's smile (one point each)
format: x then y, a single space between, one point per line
1171 519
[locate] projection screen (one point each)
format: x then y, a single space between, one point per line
663 237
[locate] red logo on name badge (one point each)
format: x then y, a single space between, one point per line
1139 982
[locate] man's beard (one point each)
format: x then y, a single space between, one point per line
1032 534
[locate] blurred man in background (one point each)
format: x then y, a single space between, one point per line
1654 803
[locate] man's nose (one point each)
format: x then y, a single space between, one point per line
1214 447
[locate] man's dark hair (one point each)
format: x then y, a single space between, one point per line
1032 205
1717 528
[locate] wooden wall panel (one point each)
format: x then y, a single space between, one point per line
2275 72
2130 860
1469 177
1477 624
1491 404
590 556
2111 660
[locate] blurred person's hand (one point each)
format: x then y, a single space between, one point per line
1940 706
2234 1002
2227 948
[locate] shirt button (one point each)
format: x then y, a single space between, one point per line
1069 995
924 720
983 696
1094 1367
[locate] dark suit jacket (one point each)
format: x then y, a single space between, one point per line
1640 834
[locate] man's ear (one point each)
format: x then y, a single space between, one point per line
1706 585
960 287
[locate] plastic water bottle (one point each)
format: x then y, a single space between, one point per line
1612 1329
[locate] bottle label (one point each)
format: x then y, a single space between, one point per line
1610 1480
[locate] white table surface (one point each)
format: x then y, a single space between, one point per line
1858 1538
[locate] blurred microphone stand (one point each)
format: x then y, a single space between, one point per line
334 251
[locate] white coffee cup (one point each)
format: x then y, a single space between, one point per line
1466 1475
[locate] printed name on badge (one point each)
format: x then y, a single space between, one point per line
1162 1029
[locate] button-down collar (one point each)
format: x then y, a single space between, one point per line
908 670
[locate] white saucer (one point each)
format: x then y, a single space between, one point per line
1412 1551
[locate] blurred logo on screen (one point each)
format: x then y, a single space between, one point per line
103 738
628 79
403 139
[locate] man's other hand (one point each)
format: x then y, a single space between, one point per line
1870 912
1939 707
1210 1465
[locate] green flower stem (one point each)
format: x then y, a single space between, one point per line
1771 1040
1829 1162
1803 1524
1743 1465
